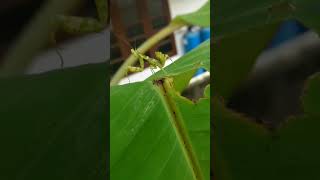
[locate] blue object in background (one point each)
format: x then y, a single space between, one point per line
191 40
288 30
204 34
200 71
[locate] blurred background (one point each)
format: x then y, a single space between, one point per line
16 15
277 80
133 22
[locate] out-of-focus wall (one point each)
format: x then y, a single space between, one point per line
93 48
179 7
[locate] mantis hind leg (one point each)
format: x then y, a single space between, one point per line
133 69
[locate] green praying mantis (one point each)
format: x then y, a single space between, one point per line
81 25
157 62
154 63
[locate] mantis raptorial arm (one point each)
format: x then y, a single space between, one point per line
140 57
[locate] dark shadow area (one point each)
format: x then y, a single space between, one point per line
273 96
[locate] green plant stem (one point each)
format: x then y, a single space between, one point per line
143 49
168 91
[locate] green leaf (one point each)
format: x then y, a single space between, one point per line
307 12
238 16
311 95
239 145
234 57
197 121
181 81
54 125
207 91
242 31
157 134
149 138
200 17
246 150
242 149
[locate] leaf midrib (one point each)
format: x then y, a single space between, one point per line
176 120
